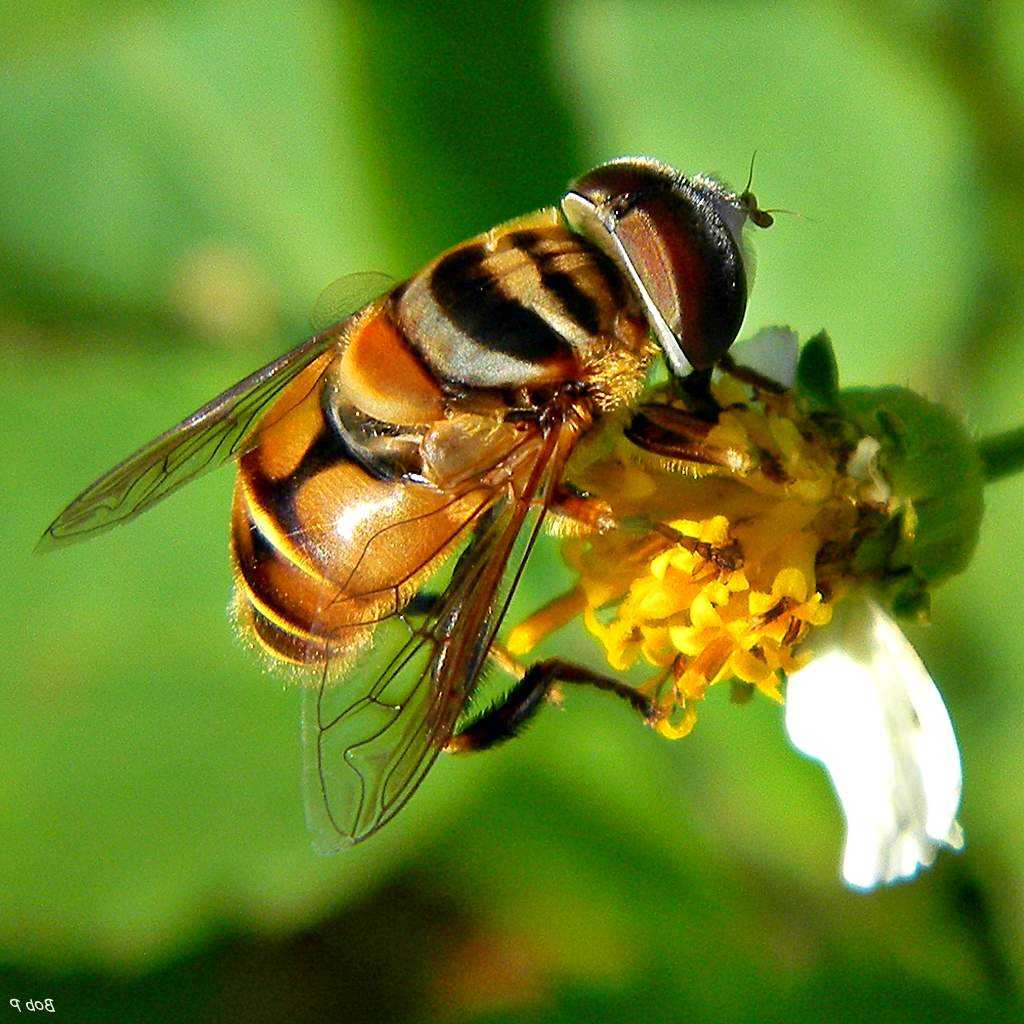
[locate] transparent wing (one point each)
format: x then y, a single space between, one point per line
368 742
220 430
335 302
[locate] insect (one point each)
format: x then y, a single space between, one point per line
437 417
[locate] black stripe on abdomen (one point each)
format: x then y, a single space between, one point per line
278 497
471 298
255 561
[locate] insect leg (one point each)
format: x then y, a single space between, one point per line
576 513
524 700
683 435
750 376
695 390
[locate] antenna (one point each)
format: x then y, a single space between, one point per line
750 176
762 218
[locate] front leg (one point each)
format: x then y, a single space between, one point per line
678 434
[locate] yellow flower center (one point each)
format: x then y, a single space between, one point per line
719 568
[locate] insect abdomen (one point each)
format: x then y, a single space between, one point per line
323 547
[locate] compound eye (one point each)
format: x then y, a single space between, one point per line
676 251
613 187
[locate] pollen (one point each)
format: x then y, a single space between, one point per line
718 575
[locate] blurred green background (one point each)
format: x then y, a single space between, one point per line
177 183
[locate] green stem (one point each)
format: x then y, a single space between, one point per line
1002 454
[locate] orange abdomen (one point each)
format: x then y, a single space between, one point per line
323 549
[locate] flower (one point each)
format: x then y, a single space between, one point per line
757 545
866 708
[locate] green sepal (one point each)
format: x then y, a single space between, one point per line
817 376
873 555
933 468
909 598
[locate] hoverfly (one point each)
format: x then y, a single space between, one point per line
434 417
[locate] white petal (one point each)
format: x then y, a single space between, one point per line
866 708
772 352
